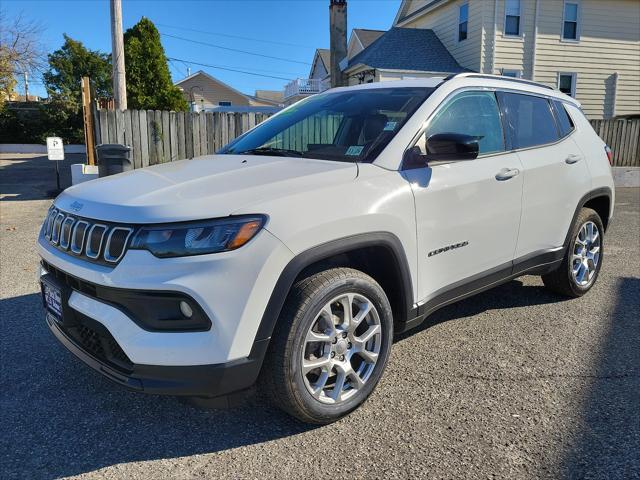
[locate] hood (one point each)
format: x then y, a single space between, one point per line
206 187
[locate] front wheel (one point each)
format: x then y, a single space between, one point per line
330 346
583 259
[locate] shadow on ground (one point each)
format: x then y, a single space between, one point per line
510 295
33 177
61 418
607 442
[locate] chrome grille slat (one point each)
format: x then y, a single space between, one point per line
65 232
57 225
89 251
97 242
77 244
107 249
49 222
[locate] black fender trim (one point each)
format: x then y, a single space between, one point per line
598 192
327 250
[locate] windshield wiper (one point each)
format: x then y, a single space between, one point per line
280 152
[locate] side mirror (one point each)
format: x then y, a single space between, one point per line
414 158
452 146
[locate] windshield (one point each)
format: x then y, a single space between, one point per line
352 126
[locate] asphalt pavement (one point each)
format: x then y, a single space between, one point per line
513 383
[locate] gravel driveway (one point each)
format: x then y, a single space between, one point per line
513 383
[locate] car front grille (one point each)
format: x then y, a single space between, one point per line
97 242
98 343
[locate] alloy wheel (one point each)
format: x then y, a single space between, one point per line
586 254
341 348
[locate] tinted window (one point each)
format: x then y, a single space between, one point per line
530 120
471 113
350 126
564 120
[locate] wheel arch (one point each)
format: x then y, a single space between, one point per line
599 200
352 252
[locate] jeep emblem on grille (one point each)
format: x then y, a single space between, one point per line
76 206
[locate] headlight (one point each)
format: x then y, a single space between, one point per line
198 238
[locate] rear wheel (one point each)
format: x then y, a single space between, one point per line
583 259
330 345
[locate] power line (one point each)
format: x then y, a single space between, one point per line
236 36
227 69
233 49
278 72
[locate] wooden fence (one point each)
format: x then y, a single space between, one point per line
623 136
161 136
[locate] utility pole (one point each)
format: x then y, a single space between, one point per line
117 56
26 87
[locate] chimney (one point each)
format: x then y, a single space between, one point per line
337 39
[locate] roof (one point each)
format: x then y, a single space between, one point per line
404 7
366 36
212 79
413 49
325 56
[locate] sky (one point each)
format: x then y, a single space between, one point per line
288 29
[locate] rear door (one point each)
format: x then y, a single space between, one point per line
467 212
555 173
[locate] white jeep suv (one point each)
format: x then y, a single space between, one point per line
290 258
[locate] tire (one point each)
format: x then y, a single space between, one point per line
582 245
308 393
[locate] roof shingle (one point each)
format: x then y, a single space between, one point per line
414 49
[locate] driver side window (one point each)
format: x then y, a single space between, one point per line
469 113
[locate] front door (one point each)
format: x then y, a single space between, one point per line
467 212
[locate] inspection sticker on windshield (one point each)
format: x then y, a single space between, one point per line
354 150
390 126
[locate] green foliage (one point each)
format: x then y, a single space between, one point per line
72 62
149 85
56 118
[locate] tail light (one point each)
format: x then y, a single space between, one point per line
609 154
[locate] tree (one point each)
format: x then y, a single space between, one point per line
149 85
72 62
20 51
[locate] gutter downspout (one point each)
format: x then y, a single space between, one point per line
535 38
495 30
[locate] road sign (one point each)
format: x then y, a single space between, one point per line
55 148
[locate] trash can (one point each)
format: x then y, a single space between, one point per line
113 158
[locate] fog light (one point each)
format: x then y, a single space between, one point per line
186 310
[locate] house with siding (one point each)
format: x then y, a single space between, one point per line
398 54
319 76
204 92
589 49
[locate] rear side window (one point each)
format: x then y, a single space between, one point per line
564 120
471 113
530 120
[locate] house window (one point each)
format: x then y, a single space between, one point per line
512 18
224 104
511 73
570 21
567 83
463 20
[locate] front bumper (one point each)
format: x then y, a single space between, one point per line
198 380
92 342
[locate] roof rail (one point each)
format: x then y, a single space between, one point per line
497 77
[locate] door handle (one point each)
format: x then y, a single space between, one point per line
507 173
573 158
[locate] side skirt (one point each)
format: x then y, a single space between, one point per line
537 263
